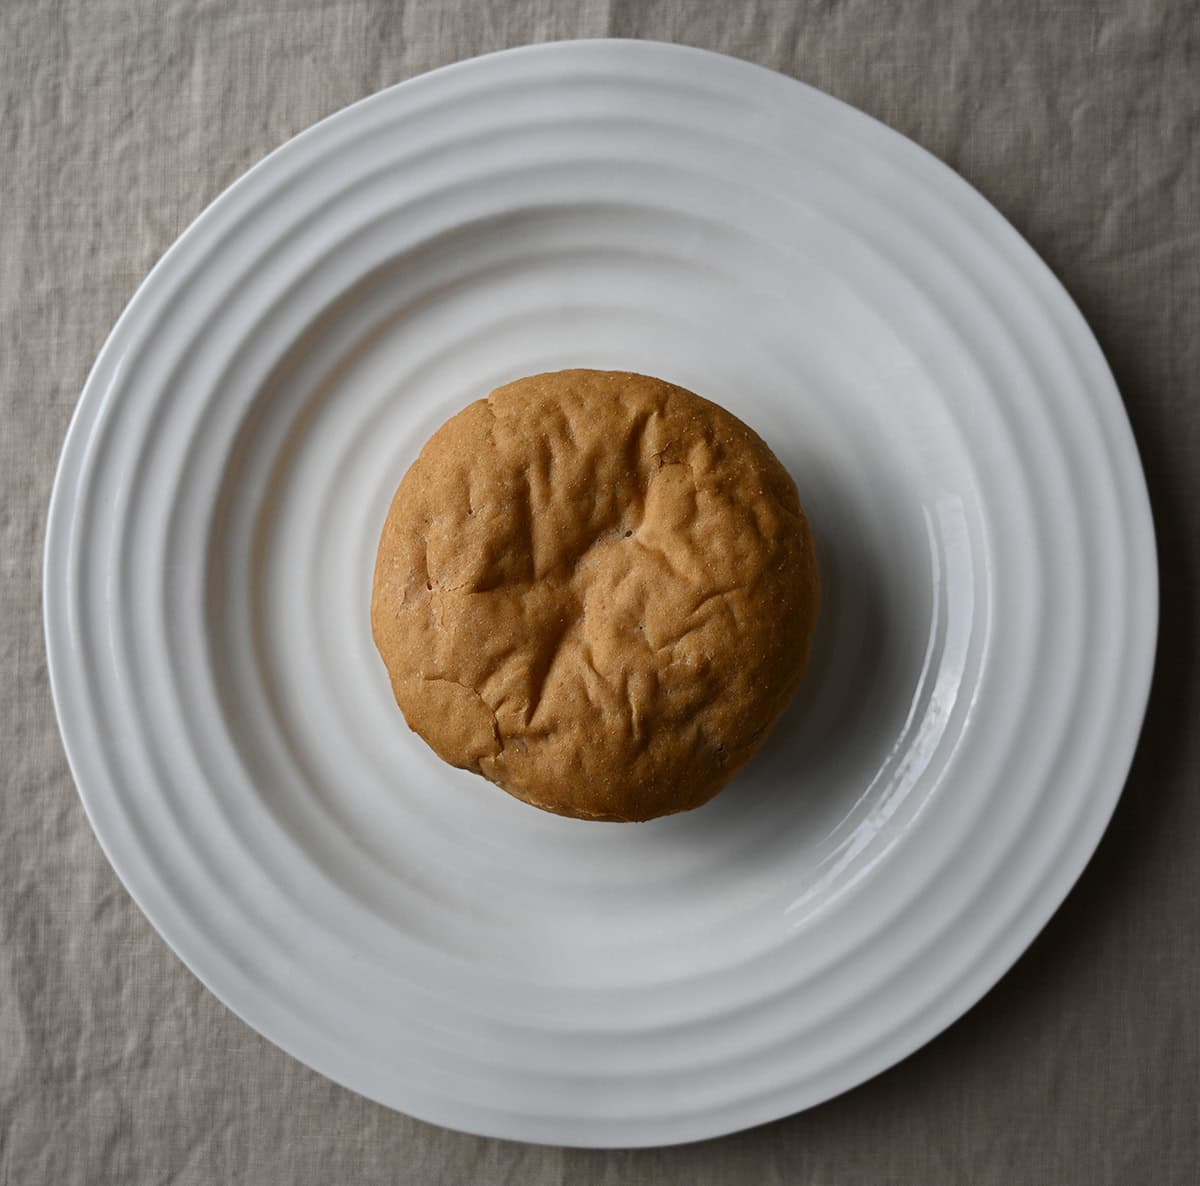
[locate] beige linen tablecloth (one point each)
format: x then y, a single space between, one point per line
123 118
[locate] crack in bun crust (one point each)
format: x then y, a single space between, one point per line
599 591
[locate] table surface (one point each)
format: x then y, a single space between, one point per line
122 119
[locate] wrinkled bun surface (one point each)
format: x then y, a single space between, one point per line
598 590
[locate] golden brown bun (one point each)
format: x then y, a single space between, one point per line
597 590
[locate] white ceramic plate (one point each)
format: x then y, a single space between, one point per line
409 930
